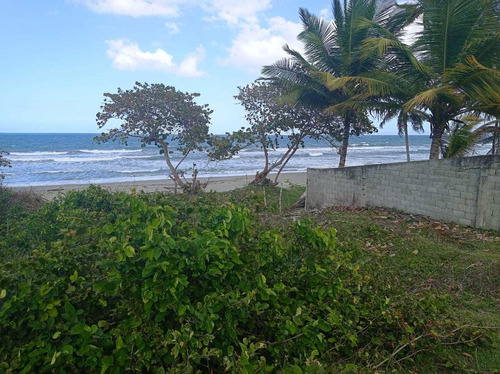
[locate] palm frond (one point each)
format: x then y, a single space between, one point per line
479 83
431 96
319 39
297 57
447 27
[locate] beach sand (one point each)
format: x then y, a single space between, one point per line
218 184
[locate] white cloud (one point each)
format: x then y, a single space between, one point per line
234 11
135 8
189 66
172 27
324 13
128 56
255 46
231 11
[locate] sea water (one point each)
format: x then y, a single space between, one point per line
53 159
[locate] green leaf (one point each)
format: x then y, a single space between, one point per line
119 343
261 280
67 349
54 357
107 362
209 326
74 276
56 335
323 325
175 350
129 251
292 370
262 306
3 294
78 329
181 310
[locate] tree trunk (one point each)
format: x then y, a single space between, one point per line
345 142
495 148
286 162
437 134
173 170
260 178
407 143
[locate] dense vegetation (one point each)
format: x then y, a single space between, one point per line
364 63
97 281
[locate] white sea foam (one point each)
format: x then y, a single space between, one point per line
104 151
58 171
32 159
37 153
315 154
134 157
137 171
86 159
52 172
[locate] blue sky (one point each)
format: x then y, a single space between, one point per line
58 57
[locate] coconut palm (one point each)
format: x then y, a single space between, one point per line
333 69
403 119
457 50
464 135
450 69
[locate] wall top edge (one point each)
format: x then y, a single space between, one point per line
486 159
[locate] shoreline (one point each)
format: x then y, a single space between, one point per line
216 184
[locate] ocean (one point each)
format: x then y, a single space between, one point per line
54 159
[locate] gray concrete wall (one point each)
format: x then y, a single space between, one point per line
463 190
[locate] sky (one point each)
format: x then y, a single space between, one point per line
58 57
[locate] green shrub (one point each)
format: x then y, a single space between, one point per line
169 284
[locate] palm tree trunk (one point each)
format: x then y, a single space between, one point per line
496 140
437 134
345 142
407 143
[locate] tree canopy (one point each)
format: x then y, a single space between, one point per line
157 114
333 69
271 119
358 63
4 163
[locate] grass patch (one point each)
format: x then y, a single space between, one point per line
419 255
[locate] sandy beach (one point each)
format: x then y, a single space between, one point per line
218 184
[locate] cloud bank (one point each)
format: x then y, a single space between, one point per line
128 56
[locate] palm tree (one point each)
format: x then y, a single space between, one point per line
449 71
457 50
465 134
333 69
403 118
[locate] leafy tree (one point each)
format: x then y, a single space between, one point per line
161 115
333 69
271 119
4 163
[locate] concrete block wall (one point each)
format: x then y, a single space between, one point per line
463 190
